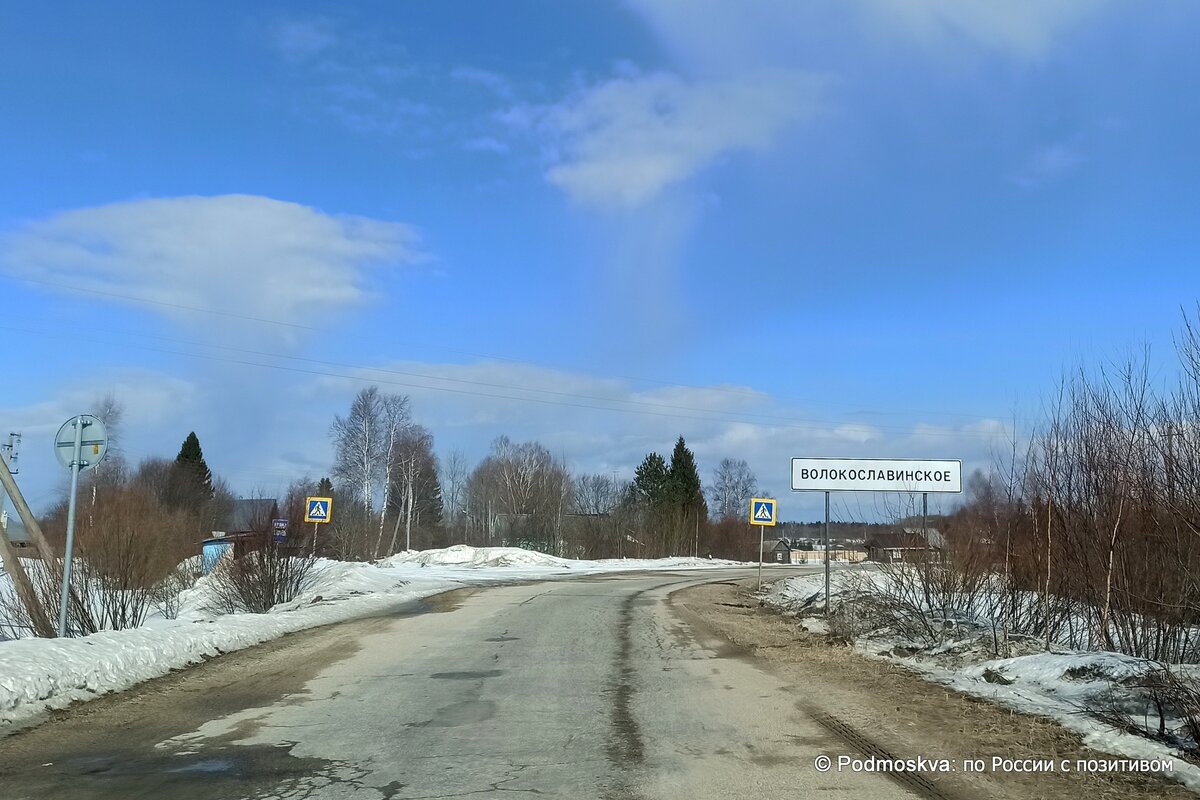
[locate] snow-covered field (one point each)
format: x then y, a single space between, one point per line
37 675
1061 684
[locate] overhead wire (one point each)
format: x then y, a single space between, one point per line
744 392
621 405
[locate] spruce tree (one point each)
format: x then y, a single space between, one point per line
650 480
685 490
191 479
325 488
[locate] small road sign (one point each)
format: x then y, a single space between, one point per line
318 509
762 511
93 442
279 524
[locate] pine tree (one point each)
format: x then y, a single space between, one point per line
325 488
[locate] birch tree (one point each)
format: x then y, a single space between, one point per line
396 419
733 486
359 444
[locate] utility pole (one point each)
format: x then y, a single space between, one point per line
11 452
42 625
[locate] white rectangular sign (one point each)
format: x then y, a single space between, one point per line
876 475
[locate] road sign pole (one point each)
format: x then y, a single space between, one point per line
827 554
67 554
314 546
762 530
925 516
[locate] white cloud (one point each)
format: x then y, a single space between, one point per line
622 142
274 428
302 38
237 255
715 34
1023 30
493 398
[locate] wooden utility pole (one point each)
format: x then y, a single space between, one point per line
12 563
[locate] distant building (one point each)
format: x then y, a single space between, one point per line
247 528
905 544
781 553
835 555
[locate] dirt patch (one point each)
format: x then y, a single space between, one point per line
903 713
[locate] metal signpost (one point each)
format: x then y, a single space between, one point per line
80 444
317 510
762 514
875 475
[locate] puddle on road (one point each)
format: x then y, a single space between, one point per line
232 770
206 765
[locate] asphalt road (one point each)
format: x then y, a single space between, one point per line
584 688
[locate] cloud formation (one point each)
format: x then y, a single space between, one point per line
714 34
241 256
621 142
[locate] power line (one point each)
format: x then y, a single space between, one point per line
743 392
671 410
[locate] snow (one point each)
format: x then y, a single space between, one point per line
38 675
461 555
1061 684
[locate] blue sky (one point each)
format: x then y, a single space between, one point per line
856 228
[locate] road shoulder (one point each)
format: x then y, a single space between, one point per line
878 706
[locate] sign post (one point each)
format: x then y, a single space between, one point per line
317 510
77 452
875 475
762 514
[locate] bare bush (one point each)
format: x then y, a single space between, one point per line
1161 704
261 579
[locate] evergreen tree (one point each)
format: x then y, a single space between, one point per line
650 480
325 488
190 481
685 492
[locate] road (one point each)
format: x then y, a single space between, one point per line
583 688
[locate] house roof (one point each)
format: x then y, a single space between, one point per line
897 541
932 534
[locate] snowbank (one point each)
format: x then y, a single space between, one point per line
1062 684
37 675
461 555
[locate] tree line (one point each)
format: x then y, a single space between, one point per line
393 492
1092 524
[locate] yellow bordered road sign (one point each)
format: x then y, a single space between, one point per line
762 511
318 509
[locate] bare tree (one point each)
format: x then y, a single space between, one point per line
417 491
360 446
523 489
396 419
454 480
732 487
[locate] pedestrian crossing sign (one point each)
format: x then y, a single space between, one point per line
762 511
318 509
